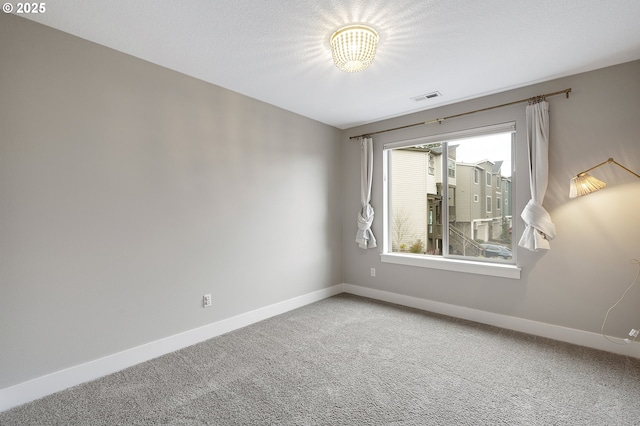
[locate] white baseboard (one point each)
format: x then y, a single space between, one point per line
63 379
42 386
564 334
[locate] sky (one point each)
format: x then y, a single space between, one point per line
491 147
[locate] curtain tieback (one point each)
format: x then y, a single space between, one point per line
537 217
365 217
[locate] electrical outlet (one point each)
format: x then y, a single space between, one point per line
373 272
633 332
206 300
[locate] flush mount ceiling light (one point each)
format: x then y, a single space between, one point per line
354 47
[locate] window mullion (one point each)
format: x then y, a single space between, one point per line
445 200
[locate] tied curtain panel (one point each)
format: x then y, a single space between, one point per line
539 228
364 236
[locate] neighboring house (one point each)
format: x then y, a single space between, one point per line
413 184
479 202
483 201
417 197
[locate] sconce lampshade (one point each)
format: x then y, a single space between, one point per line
584 184
354 47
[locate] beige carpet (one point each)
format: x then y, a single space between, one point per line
353 361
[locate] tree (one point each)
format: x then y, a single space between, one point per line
505 236
402 225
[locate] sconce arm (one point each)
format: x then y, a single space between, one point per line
610 160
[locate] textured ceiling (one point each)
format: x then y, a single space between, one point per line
278 51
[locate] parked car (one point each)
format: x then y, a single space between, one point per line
494 250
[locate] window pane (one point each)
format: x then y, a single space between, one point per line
479 225
415 200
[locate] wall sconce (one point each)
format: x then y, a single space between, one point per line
584 183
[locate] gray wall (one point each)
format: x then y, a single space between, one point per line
128 191
589 265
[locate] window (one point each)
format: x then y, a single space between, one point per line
439 216
432 165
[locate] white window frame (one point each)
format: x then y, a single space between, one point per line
504 270
489 204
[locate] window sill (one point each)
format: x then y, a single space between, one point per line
457 265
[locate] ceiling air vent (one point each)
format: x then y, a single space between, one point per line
426 96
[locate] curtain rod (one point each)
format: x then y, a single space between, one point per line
535 99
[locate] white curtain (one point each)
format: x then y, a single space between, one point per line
364 236
539 230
